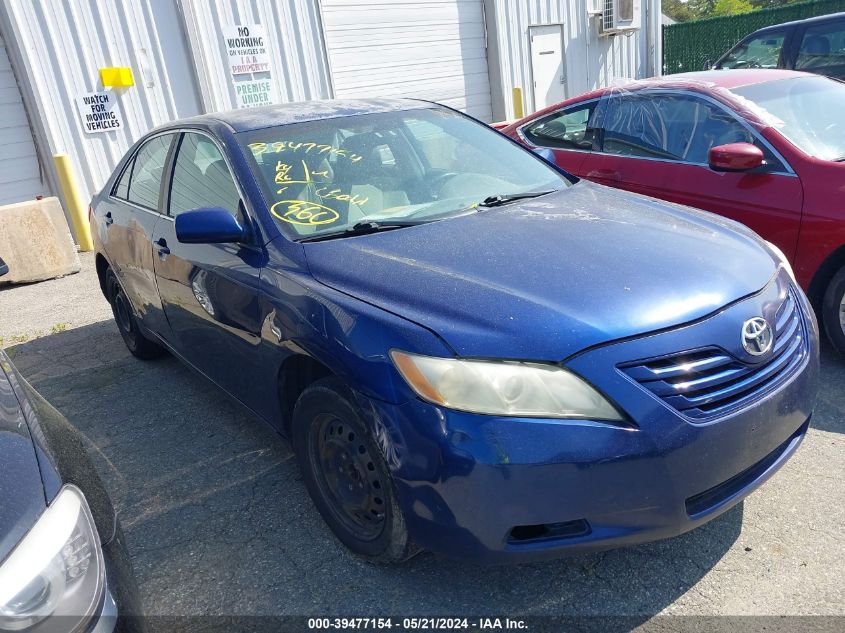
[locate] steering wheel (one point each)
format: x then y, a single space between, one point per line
436 183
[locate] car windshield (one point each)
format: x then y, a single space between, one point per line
806 110
393 169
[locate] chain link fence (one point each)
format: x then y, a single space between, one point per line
689 46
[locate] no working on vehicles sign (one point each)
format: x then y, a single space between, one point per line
98 112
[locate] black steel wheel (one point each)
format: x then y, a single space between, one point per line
833 311
127 324
346 475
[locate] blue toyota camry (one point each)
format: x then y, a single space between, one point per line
470 351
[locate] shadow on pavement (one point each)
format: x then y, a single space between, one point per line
218 521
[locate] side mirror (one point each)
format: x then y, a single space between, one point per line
735 157
546 154
4 267
209 226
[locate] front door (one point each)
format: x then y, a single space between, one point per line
209 292
657 144
547 65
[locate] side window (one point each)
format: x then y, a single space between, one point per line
121 189
147 168
822 47
673 127
761 51
634 126
570 129
201 177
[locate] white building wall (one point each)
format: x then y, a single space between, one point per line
591 60
299 69
20 171
427 49
58 48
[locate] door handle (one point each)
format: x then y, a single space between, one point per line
161 243
109 219
605 174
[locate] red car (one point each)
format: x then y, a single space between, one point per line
763 147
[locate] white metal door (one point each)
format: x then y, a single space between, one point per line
404 48
20 176
547 67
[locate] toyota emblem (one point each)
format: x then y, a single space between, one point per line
757 337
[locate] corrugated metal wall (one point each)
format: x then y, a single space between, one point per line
429 49
58 48
299 67
20 173
591 61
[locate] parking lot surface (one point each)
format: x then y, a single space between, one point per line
218 521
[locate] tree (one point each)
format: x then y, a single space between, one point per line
731 7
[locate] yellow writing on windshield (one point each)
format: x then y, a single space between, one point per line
303 213
277 147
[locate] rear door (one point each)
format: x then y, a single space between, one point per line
127 219
569 133
209 292
657 142
822 49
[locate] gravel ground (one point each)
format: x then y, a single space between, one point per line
218 521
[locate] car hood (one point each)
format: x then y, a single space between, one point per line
22 497
548 277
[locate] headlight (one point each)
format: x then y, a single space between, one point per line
56 569
784 262
503 388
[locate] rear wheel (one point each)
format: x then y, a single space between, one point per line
833 311
346 475
127 324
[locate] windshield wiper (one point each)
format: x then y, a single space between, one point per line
499 200
361 228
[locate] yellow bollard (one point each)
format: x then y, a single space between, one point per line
74 202
518 111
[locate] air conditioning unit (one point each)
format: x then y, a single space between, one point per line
595 7
620 16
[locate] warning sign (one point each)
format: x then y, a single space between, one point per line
98 112
254 92
246 47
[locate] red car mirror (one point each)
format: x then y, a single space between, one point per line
735 157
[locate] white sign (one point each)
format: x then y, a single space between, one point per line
98 112
246 47
254 92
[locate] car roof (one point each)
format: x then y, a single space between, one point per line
813 20
281 114
733 78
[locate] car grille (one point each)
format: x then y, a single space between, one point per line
707 382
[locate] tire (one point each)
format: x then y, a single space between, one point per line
833 311
138 344
346 474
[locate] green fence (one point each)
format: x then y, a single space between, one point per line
690 46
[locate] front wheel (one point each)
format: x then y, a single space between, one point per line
139 345
833 311
346 475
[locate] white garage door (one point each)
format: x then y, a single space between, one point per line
20 178
429 49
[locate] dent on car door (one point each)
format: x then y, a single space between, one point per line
209 292
569 133
129 216
657 144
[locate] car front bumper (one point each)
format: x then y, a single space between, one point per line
500 489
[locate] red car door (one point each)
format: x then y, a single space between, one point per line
656 143
569 132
